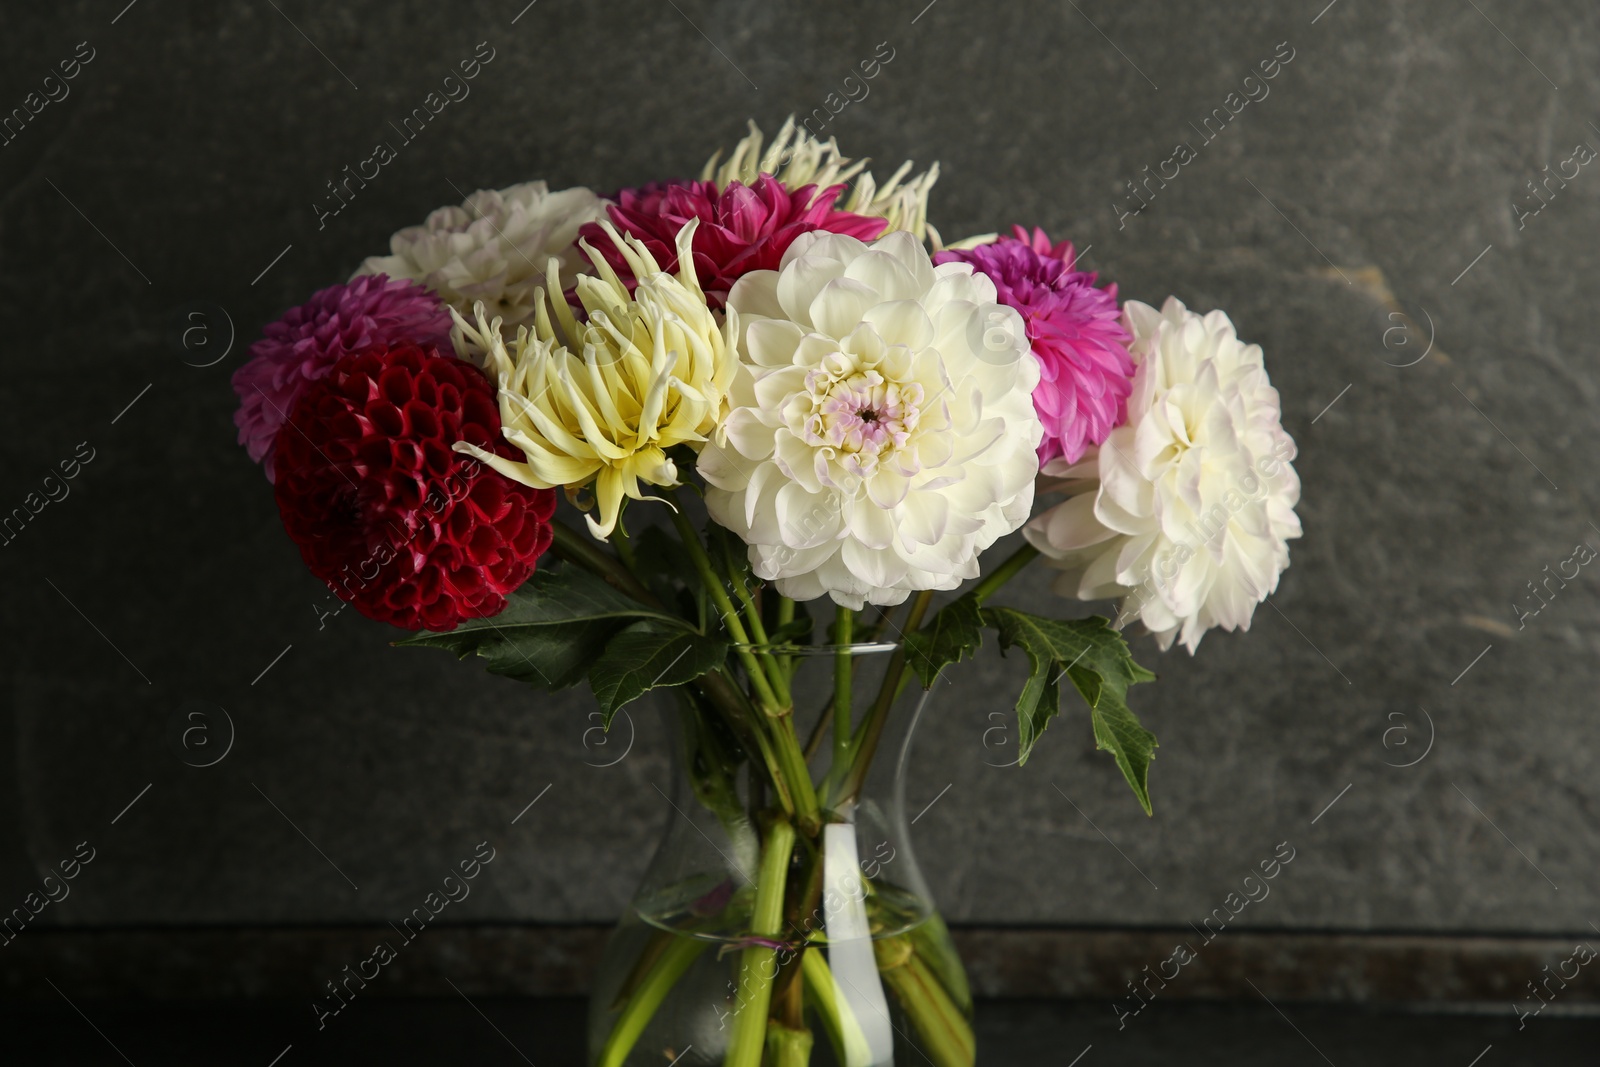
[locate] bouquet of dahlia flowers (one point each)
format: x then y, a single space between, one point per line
767 390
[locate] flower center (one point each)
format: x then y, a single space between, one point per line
861 414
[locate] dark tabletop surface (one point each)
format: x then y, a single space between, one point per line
1010 1034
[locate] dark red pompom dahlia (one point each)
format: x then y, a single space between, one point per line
385 512
742 227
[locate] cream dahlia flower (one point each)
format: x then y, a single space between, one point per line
604 399
1186 510
797 159
493 248
882 430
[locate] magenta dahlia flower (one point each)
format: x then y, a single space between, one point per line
742 228
1085 372
372 311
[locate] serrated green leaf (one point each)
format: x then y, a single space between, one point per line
550 631
548 657
646 655
954 632
1118 731
570 594
1096 658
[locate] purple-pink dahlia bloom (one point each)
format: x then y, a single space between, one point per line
742 227
1085 372
372 311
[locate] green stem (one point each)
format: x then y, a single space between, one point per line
1003 573
788 1047
758 963
838 1021
872 727
843 634
730 614
642 966
946 1034
641 1007
777 713
785 617
746 723
776 675
930 940
792 762
814 742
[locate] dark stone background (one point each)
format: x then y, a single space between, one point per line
1324 219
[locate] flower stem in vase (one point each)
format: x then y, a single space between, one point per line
758 965
790 777
673 960
850 1046
946 1034
931 941
843 634
787 1047
785 617
865 744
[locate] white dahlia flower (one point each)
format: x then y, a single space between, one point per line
1186 510
603 400
882 430
796 158
493 248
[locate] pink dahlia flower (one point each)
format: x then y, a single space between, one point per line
372 311
1075 328
742 228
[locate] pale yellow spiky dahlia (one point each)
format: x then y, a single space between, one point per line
797 159
601 401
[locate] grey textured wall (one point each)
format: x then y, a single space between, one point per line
1364 205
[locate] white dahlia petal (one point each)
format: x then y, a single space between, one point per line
494 248
1185 512
903 443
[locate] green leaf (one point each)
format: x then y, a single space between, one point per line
550 631
569 594
713 758
547 657
646 655
953 633
1096 658
664 564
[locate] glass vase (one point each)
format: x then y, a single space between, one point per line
759 939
